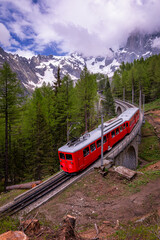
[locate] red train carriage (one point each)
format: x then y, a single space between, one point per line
77 154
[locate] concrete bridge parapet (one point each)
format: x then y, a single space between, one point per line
129 156
125 153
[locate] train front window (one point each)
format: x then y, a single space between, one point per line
98 143
68 157
62 156
93 147
86 151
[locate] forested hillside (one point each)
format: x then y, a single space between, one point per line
141 74
33 128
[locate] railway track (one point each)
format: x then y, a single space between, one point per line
51 187
34 194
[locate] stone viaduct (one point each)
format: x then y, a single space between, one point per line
125 153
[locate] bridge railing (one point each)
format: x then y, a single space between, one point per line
126 141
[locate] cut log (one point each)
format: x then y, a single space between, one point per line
13 235
68 228
125 172
24 185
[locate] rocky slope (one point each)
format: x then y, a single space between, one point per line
33 72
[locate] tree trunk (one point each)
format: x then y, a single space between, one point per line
86 123
68 228
132 92
6 144
24 185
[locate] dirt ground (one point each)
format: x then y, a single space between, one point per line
104 203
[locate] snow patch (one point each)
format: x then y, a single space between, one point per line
156 43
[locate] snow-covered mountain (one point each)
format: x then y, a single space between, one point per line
33 72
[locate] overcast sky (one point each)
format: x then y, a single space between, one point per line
29 27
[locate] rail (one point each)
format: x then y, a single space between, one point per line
51 187
129 138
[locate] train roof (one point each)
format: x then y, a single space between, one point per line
79 143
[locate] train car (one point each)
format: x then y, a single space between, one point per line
79 153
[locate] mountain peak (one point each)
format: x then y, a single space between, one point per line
39 69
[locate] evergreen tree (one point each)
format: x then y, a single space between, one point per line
108 104
10 99
58 82
86 96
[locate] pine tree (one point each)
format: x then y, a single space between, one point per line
58 82
10 99
108 105
86 96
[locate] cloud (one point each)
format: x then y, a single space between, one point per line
87 26
5 36
25 53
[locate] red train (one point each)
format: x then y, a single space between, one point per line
77 154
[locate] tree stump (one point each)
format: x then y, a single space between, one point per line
13 235
31 226
67 232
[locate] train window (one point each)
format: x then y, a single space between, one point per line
117 131
62 156
113 134
93 147
98 143
121 129
85 151
104 139
124 126
68 157
127 124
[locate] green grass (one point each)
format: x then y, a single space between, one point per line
149 149
153 105
9 196
8 224
142 180
131 232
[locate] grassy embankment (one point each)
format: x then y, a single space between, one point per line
148 151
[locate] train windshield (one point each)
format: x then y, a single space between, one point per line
62 156
68 157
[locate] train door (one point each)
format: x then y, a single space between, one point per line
98 147
86 155
105 143
69 163
109 141
80 160
93 152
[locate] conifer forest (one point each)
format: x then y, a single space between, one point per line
33 126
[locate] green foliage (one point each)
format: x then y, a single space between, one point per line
45 121
85 99
10 105
153 105
132 232
108 104
149 147
8 224
143 180
141 74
